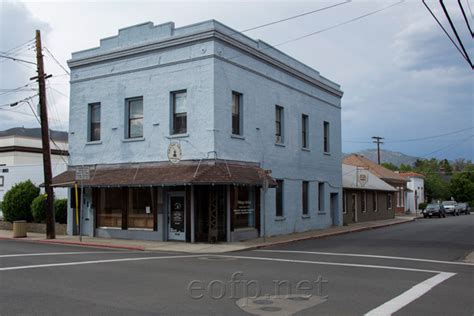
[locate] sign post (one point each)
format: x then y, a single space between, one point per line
82 173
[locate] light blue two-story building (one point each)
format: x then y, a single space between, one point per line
200 133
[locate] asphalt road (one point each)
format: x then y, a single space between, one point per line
408 269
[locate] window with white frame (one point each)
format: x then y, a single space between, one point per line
304 131
321 196
134 107
326 140
279 124
236 113
363 202
375 198
94 122
389 201
179 109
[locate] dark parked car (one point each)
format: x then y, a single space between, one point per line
450 207
434 210
464 208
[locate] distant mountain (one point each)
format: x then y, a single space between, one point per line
394 157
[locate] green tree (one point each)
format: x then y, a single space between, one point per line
461 185
60 211
405 168
17 201
38 208
389 166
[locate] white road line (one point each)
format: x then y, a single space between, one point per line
64 253
397 303
367 256
332 263
93 262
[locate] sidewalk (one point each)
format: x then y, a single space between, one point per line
169 246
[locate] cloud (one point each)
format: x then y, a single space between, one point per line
17 26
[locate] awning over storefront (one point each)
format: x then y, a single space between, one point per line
185 173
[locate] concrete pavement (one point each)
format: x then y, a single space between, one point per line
171 246
413 269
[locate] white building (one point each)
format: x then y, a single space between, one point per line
231 108
416 195
21 157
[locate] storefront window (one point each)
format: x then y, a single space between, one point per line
243 209
140 214
110 212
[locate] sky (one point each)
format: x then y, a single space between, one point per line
402 77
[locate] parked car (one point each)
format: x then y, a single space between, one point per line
434 209
464 208
450 207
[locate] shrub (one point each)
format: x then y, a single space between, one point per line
422 206
17 201
60 211
38 208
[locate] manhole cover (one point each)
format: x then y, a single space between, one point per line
263 302
270 309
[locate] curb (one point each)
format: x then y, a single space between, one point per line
355 230
77 243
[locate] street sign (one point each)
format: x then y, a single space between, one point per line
82 173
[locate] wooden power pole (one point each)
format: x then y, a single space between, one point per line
50 231
378 141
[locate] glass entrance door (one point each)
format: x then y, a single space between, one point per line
176 217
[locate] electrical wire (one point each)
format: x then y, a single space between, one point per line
445 32
17 59
17 47
456 34
449 146
465 18
57 62
294 17
430 137
339 24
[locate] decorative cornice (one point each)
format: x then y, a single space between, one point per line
205 35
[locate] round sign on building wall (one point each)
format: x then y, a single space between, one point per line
174 152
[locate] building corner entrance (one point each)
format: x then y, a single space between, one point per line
176 217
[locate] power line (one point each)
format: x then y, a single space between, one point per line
469 7
295 16
430 137
339 24
18 102
17 59
17 47
456 34
445 32
57 62
449 146
465 17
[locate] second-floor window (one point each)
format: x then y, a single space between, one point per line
304 131
326 137
278 124
236 113
135 117
305 197
180 112
94 121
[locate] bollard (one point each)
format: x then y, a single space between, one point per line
19 229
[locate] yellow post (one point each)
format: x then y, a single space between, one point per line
77 204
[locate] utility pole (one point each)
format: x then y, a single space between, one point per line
41 78
377 140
